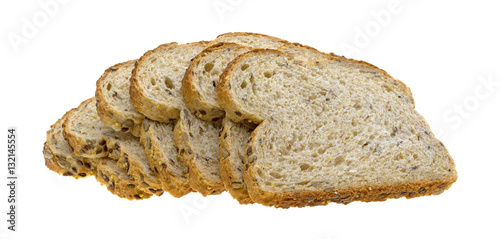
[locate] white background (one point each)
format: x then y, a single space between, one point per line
445 51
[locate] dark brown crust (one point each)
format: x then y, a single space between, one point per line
315 198
189 92
196 179
106 111
151 108
227 172
170 183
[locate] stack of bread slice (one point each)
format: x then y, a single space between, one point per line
270 122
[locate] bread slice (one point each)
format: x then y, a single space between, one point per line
233 139
123 147
338 131
117 181
113 99
158 141
130 156
202 76
198 144
156 80
84 131
60 159
255 40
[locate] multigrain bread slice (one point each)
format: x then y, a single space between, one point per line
113 99
198 144
233 139
87 129
202 77
156 80
255 40
117 181
60 159
338 131
130 156
158 141
84 130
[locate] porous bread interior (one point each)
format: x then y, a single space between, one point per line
129 153
254 40
159 75
334 126
159 141
118 181
204 73
114 87
233 140
303 52
62 160
202 138
84 130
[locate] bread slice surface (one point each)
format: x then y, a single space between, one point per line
198 145
113 99
130 156
162 153
118 181
157 77
202 76
337 131
233 139
58 155
84 131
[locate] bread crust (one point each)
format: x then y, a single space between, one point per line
236 188
107 112
152 108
